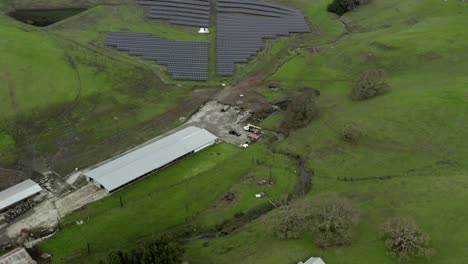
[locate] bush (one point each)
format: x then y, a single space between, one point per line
156 252
340 7
333 220
302 109
371 83
404 239
351 132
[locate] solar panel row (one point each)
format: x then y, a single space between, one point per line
181 12
242 27
244 24
184 60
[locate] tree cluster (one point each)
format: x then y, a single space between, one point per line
330 217
302 109
160 251
340 7
371 83
405 239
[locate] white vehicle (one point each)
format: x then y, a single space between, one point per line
250 126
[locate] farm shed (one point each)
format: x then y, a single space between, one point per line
18 193
313 260
17 256
149 158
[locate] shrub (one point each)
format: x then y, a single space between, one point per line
156 252
351 132
404 239
340 7
371 83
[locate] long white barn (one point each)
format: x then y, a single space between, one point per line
18 193
149 158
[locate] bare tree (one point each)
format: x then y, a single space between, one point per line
333 220
370 84
291 224
404 239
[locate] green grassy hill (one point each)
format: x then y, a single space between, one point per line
62 91
416 133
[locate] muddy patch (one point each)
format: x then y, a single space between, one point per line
44 17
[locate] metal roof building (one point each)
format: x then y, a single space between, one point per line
313 261
149 158
18 192
17 256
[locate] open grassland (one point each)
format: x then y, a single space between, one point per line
190 191
61 94
436 202
416 133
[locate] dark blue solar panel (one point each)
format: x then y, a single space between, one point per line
244 24
184 60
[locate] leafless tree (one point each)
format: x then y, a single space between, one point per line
405 239
291 224
334 219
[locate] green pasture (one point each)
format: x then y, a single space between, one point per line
190 191
415 134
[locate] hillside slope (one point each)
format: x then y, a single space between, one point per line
415 134
58 96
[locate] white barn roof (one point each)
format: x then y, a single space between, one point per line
141 161
17 256
314 261
18 193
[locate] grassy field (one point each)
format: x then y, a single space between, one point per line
61 91
416 134
171 197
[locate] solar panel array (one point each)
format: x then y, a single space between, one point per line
243 24
182 12
184 60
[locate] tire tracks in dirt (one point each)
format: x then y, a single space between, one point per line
11 91
70 106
